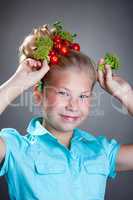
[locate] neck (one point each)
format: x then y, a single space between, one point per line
63 137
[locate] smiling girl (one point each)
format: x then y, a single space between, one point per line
56 159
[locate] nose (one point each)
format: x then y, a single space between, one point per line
72 104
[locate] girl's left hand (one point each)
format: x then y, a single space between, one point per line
113 84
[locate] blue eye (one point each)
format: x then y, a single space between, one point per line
84 96
63 93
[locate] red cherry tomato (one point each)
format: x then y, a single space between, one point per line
57 39
75 46
64 50
54 59
57 46
53 52
66 43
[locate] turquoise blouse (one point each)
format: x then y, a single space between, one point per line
38 167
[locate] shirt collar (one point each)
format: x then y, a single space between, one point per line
35 128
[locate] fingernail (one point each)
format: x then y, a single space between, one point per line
39 63
102 60
35 64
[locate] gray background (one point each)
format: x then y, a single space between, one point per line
101 26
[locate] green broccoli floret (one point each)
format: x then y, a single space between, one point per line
43 46
112 60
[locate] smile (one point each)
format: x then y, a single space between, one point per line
70 118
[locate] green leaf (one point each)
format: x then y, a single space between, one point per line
44 45
66 36
58 25
74 35
40 86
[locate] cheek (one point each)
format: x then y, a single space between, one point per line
53 101
85 106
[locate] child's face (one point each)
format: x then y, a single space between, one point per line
67 100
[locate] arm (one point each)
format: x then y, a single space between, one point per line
120 89
8 92
26 76
2 150
116 86
127 101
125 158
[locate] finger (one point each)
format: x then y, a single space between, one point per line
34 64
45 67
101 78
108 73
31 62
39 63
101 61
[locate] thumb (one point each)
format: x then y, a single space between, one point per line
45 67
101 61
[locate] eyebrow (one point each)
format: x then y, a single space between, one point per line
70 90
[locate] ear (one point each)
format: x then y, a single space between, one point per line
38 96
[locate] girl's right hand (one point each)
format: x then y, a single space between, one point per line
30 71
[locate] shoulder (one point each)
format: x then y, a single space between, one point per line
100 142
105 150
10 132
12 138
109 145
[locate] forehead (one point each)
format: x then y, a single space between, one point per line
73 80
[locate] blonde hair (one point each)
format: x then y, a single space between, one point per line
75 60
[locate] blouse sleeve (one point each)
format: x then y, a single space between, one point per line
111 148
12 141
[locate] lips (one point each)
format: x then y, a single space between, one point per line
70 118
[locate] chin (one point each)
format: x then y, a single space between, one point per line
68 127
65 130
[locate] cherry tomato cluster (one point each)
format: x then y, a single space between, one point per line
61 47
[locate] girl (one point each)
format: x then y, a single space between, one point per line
55 159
